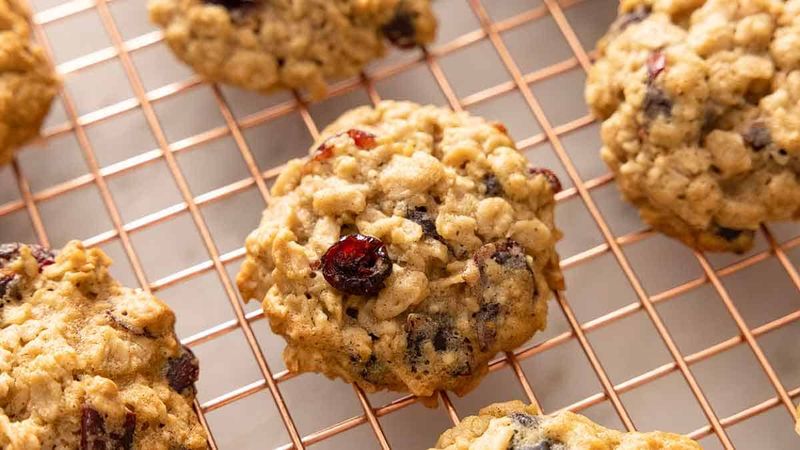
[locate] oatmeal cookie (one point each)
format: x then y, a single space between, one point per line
514 426
27 82
265 44
407 250
86 363
700 102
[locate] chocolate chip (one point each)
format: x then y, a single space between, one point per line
546 444
486 324
757 136
729 234
656 103
552 178
656 63
493 186
182 371
423 218
510 254
400 30
525 420
420 329
635 16
231 5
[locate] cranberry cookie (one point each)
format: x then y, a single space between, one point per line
514 426
700 102
27 82
265 44
406 251
86 363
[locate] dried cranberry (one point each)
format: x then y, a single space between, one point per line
552 178
400 30
656 103
757 136
635 16
500 127
362 139
656 63
233 4
94 435
6 280
421 217
357 265
10 252
182 371
493 186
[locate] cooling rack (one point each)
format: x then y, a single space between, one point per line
168 174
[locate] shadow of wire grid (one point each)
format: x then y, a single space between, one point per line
152 162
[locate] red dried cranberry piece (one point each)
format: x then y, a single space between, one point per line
357 265
656 63
94 435
400 30
183 371
6 280
500 127
552 178
10 252
362 139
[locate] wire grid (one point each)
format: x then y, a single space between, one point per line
489 31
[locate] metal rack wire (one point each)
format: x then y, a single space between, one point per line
488 30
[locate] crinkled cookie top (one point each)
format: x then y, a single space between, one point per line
265 44
411 246
27 82
86 363
700 102
514 426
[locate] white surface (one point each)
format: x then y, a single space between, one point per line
560 376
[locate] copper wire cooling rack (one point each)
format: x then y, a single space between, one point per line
648 334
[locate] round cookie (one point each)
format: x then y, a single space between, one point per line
412 246
262 45
27 82
514 426
700 102
86 363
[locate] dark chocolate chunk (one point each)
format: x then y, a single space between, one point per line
182 371
400 31
486 324
656 103
757 136
628 19
729 234
493 186
526 420
422 217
